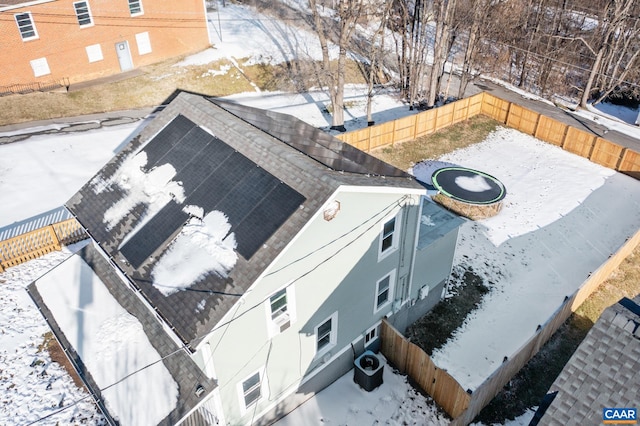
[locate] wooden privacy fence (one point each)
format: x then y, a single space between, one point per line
464 406
585 144
514 363
413 361
39 242
414 126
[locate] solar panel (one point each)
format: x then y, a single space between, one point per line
154 234
201 166
274 208
214 177
182 153
167 138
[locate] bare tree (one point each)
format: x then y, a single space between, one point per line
480 10
376 49
333 77
614 46
444 14
409 21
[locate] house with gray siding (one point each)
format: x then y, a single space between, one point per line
257 254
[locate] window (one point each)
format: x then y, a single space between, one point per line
135 7
251 389
25 26
389 237
278 304
144 43
40 67
94 53
326 334
83 13
280 309
384 291
371 335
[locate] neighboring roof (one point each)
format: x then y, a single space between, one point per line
116 344
197 170
435 222
604 371
13 4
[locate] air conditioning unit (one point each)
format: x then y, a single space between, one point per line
282 322
367 371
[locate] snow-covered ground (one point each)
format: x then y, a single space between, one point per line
41 173
563 217
33 387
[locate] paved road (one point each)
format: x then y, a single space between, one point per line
560 114
22 131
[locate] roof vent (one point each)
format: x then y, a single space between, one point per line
199 391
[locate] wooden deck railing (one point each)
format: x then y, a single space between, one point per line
39 242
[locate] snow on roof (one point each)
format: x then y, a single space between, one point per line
111 343
202 246
562 218
153 188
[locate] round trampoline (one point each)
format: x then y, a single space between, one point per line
468 192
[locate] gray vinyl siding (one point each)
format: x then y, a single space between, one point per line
433 263
334 267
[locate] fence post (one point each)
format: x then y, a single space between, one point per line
54 237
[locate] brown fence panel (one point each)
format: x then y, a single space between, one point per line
444 116
421 369
413 361
495 108
425 123
579 142
405 129
381 135
522 119
394 346
475 105
630 164
605 153
25 247
69 231
460 111
550 130
358 138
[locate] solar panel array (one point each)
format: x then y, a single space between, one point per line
215 177
311 141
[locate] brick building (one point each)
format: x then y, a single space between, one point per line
48 41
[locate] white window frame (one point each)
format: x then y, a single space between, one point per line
143 42
394 235
390 290
333 334
40 67
278 324
262 386
31 24
139 4
94 53
89 15
371 335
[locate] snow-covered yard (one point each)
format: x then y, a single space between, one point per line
563 217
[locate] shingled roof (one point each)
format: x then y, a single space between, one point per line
603 372
268 173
